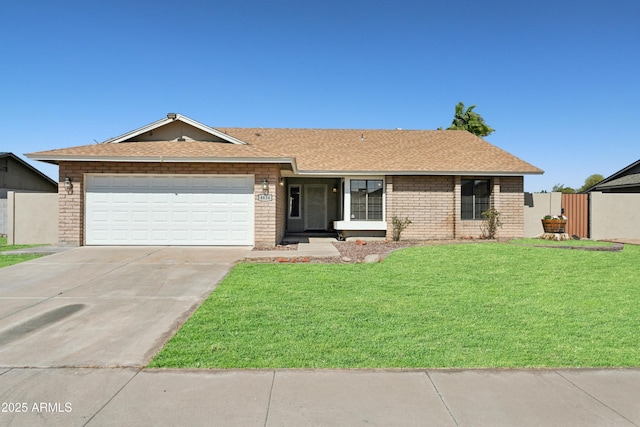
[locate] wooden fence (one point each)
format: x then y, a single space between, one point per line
576 208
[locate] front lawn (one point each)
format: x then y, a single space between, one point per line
542 242
7 260
457 306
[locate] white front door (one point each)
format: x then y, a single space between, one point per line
315 207
169 210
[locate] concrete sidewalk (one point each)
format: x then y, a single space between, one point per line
97 397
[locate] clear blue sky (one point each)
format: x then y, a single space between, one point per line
557 79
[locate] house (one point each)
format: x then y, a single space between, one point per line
613 211
626 180
180 182
18 175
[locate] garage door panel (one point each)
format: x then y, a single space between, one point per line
169 210
140 216
119 216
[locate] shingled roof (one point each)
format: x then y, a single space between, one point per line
314 151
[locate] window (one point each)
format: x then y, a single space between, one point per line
294 201
476 198
366 199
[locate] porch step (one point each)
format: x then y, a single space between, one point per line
312 247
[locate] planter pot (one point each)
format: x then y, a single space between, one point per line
554 225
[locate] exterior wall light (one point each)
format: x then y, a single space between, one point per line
281 182
265 186
68 185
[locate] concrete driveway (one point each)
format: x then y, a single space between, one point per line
103 306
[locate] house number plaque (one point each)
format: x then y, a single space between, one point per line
265 197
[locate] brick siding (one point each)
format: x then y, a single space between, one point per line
426 200
432 203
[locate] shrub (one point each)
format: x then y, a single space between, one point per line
490 223
399 225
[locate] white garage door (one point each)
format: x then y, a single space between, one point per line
169 210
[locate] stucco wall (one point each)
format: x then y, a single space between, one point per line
3 216
268 230
614 216
32 218
543 204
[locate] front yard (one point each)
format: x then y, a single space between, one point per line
7 260
456 306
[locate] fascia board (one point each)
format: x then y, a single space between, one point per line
159 159
611 177
210 130
136 132
166 121
431 173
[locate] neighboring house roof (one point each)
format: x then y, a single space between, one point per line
632 180
628 176
313 151
4 156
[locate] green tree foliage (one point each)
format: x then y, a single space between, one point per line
560 188
469 120
591 181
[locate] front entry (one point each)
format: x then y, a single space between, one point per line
315 207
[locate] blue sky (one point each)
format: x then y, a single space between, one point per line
558 80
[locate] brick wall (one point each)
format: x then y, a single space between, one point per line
510 204
269 216
507 197
432 203
426 200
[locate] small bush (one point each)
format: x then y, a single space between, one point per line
399 225
490 223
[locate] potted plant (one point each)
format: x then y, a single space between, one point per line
554 223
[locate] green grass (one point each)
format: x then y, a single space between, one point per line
542 242
7 260
456 306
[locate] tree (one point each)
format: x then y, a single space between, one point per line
470 121
560 188
591 181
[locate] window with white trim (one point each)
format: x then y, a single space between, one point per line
366 199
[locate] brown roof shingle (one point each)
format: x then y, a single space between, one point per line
324 150
384 150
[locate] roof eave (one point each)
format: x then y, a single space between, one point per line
160 159
405 173
611 177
